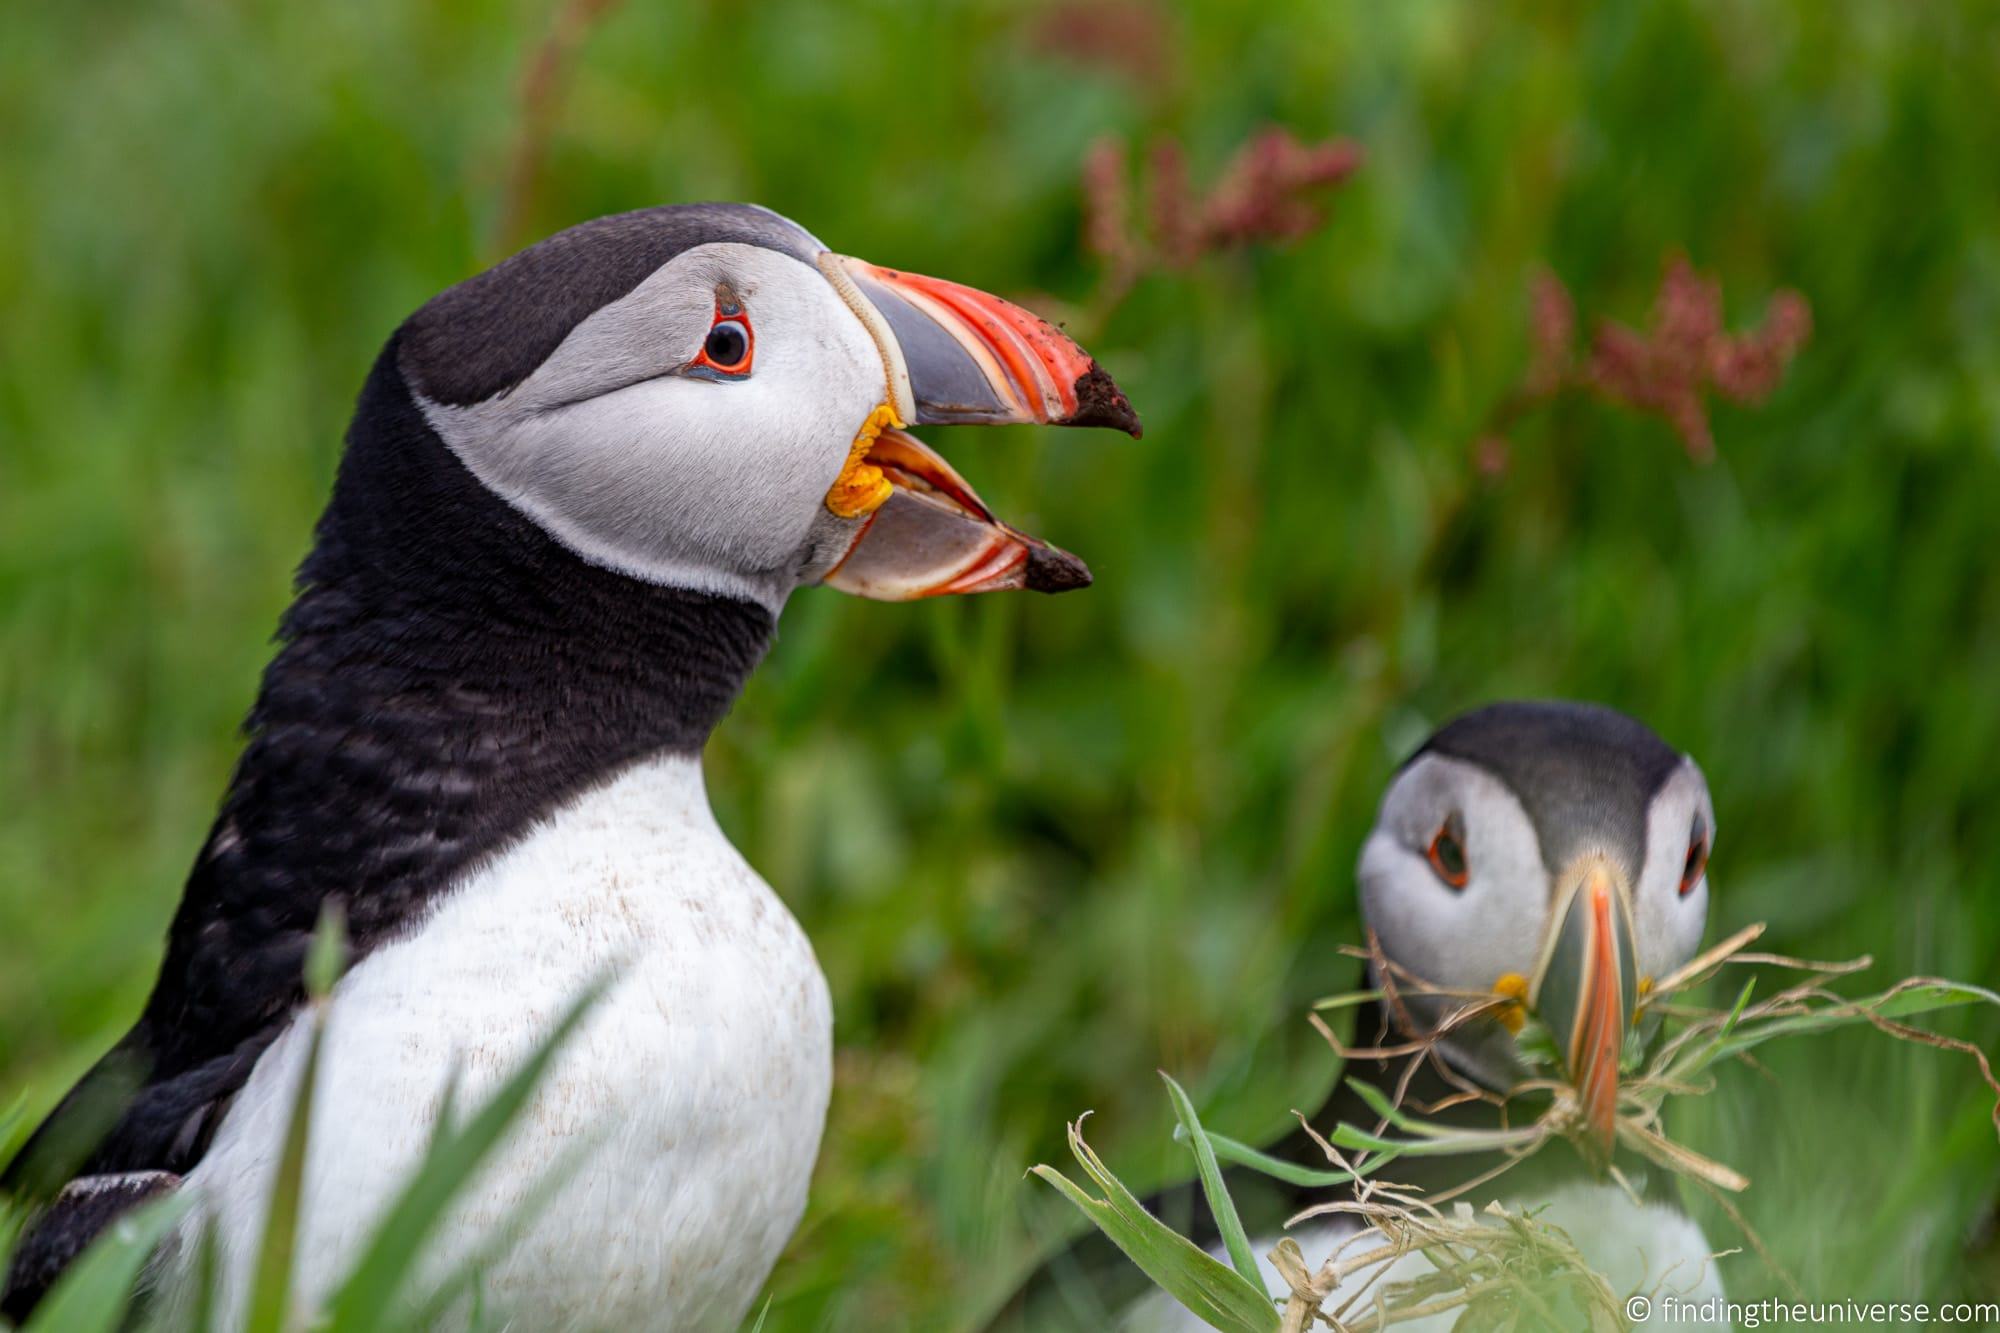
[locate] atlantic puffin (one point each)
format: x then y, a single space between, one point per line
1552 852
577 490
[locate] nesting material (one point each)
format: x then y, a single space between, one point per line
1492 1265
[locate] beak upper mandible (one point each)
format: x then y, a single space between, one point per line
959 356
1586 990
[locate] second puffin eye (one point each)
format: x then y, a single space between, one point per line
1696 864
727 346
1447 853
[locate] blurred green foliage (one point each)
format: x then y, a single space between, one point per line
1045 846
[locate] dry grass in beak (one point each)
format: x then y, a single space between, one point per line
1494 1264
1694 1039
1490 1267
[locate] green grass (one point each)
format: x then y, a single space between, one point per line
1047 846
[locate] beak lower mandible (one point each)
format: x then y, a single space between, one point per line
934 537
1586 990
958 356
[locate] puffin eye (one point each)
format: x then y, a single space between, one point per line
1447 853
1696 864
727 347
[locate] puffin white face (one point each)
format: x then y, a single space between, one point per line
1552 853
705 397
1670 895
1454 882
1452 879
688 432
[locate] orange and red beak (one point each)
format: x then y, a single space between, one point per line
953 355
1586 990
957 356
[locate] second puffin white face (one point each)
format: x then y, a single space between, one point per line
1670 892
1452 879
688 432
1460 877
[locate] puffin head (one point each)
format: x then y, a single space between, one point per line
704 396
1553 853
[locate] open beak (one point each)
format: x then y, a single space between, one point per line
1586 989
933 537
953 355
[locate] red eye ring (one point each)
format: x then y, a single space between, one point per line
1696 864
731 345
1447 855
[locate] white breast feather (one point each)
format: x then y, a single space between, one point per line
705 1072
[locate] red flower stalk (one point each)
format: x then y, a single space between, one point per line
1669 370
1266 193
1551 329
1107 208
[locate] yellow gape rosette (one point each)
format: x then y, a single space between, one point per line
861 488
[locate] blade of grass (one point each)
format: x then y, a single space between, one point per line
12 1120
1346 1000
271 1284
207 1280
54 1155
1219 1203
1686 1161
13 1218
1433 1139
1694 1061
1471 1141
12 1214
1212 1290
270 1299
1238 1153
500 1239
1893 1003
447 1113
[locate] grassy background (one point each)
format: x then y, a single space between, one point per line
1046 846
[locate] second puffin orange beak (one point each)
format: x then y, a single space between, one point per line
1586 990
